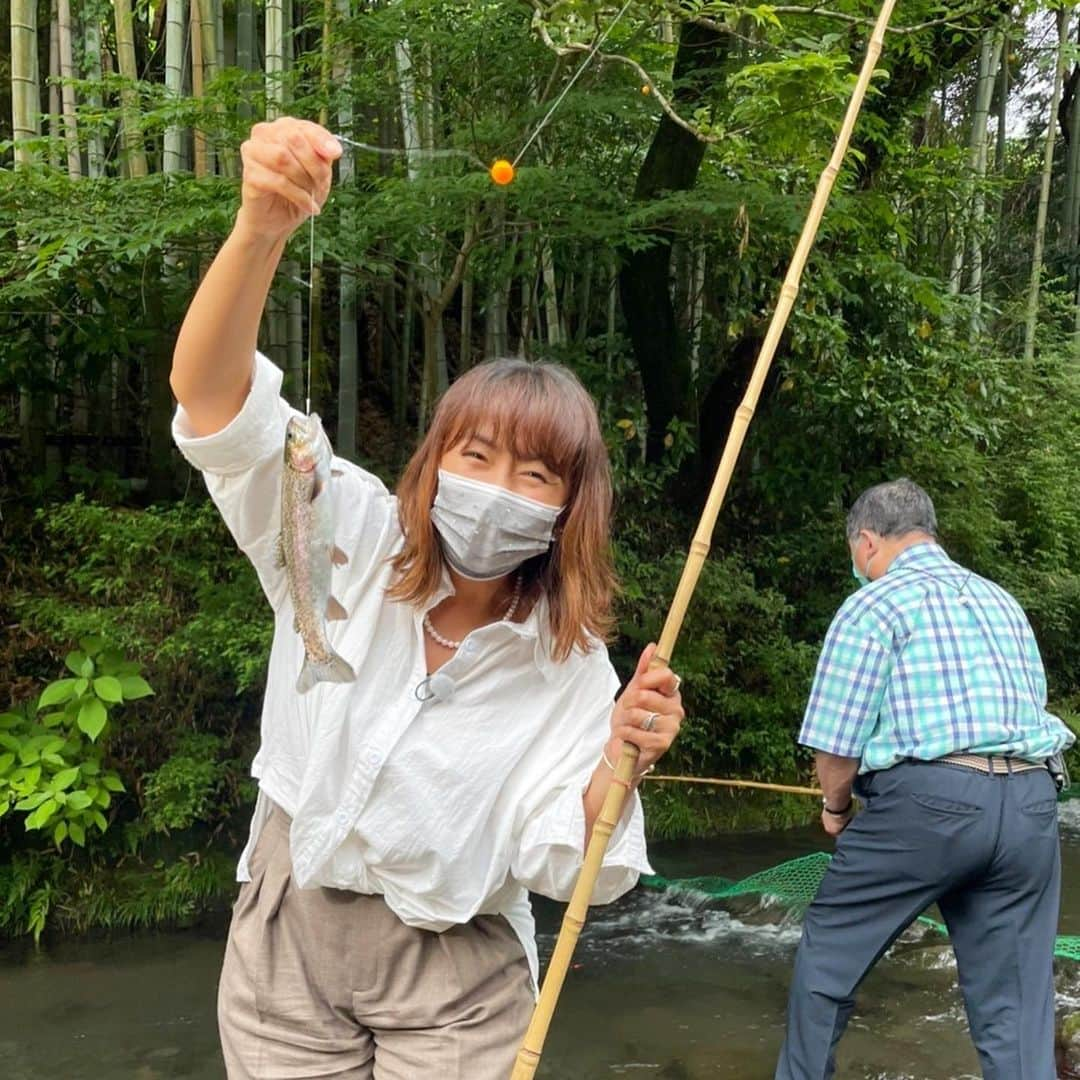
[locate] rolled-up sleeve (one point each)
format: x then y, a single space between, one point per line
551 848
243 464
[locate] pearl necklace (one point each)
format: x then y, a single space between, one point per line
446 643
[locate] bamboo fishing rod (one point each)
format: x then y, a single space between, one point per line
756 785
528 1058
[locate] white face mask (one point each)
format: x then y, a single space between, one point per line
487 531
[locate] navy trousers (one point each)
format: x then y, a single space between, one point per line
985 848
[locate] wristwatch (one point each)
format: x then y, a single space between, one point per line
836 813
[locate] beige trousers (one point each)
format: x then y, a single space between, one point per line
330 983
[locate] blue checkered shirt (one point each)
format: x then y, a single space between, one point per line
929 660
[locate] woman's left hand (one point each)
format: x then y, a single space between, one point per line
652 694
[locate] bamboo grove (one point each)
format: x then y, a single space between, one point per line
643 242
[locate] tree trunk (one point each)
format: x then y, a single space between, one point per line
159 453
1071 211
208 51
989 58
495 330
275 59
245 48
1044 194
198 88
25 96
53 86
134 153
671 164
348 351
551 294
172 160
95 146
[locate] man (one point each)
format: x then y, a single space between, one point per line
929 703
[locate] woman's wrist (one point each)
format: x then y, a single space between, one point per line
613 751
259 243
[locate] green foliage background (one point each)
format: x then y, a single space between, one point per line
882 373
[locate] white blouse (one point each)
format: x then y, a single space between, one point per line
448 807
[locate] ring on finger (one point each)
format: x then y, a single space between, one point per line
650 721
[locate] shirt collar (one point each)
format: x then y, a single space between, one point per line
925 553
535 626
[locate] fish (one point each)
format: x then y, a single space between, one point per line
307 551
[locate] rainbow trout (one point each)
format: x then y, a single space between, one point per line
307 551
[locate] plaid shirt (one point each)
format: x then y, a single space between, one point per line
929 660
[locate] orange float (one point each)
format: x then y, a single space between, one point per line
502 172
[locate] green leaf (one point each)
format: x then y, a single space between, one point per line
110 661
65 778
135 686
10 720
75 662
57 692
51 720
32 802
79 800
41 815
108 688
60 833
99 820
110 780
80 687
90 768
6 761
92 718
92 645
10 742
77 832
52 759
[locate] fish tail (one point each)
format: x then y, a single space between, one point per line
334 669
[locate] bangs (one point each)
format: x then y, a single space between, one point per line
537 411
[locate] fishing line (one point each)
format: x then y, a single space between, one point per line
566 89
502 172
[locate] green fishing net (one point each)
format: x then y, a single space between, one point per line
796 883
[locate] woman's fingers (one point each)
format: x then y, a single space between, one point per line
265 181
653 701
280 159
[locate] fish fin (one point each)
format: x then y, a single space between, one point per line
337 472
279 552
334 610
316 489
338 557
335 670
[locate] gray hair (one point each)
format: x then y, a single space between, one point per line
895 508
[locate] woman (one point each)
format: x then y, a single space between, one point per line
383 928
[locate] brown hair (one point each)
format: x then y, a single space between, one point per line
540 411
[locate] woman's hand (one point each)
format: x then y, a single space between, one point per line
288 169
648 694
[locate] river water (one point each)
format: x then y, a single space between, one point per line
663 988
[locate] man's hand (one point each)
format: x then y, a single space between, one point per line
835 824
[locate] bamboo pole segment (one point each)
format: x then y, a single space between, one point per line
528 1059
757 785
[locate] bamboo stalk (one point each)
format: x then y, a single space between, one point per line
198 136
1044 193
528 1058
130 127
756 785
25 96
